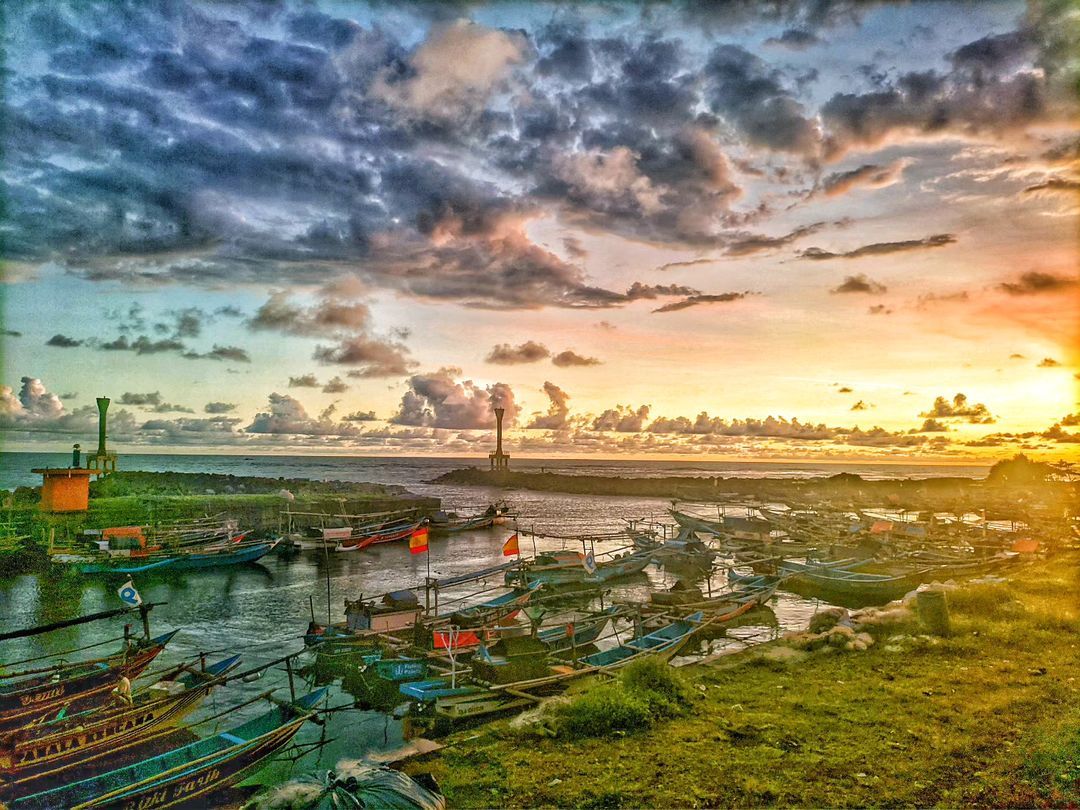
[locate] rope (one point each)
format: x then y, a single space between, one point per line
56 655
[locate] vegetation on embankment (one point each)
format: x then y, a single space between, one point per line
987 717
1011 485
155 499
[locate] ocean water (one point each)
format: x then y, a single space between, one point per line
262 610
410 472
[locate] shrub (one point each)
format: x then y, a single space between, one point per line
604 710
661 687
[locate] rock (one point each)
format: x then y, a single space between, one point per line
866 639
840 635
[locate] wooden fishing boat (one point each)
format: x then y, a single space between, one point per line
448 523
552 572
852 588
495 610
385 533
664 642
79 685
185 775
73 743
194 560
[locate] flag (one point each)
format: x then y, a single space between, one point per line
510 547
590 563
418 541
128 595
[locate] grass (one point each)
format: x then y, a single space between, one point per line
987 717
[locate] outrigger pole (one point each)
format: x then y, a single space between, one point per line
93 617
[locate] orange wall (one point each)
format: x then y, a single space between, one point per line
61 493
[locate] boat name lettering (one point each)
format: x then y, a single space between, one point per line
43 697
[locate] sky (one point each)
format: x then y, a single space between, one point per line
794 230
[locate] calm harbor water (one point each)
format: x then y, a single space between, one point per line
261 610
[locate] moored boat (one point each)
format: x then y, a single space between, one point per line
78 686
72 743
188 560
184 775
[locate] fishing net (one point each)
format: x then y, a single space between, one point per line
352 786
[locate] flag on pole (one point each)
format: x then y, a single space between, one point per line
418 541
128 595
510 547
590 563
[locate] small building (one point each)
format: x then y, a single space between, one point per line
65 489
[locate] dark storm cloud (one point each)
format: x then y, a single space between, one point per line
63 342
1035 282
279 144
750 94
880 248
528 352
697 300
795 39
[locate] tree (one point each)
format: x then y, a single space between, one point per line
1020 470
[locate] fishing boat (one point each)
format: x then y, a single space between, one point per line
853 588
450 523
33 695
72 743
498 609
189 560
389 532
664 643
185 775
551 571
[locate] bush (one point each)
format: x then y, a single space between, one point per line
985 601
661 687
604 710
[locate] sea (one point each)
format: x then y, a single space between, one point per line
261 611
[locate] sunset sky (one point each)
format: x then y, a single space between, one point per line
785 230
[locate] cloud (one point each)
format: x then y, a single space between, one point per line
63 342
844 390
528 352
234 353
335 385
1035 282
1054 184
34 409
879 309
696 300
143 345
795 39
859 284
129 398
376 357
304 381
861 405
360 416
439 400
622 419
881 248
751 96
959 408
558 412
285 415
452 73
933 426
219 407
1048 362
869 175
569 357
